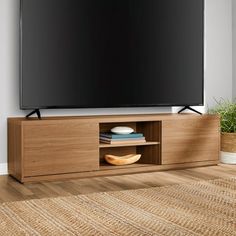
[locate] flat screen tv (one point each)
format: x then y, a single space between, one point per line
111 53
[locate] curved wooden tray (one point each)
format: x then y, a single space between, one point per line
122 160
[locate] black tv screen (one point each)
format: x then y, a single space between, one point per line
111 53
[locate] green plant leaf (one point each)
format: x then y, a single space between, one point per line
227 111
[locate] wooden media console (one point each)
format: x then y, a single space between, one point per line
68 147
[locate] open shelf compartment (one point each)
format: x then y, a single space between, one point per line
150 150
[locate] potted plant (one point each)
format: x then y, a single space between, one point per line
227 111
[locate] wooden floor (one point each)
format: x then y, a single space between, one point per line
11 190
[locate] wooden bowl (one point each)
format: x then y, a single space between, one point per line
122 160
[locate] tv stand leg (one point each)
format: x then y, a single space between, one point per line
191 109
36 111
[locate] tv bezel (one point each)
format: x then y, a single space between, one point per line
23 107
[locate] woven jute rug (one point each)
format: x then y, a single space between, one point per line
198 208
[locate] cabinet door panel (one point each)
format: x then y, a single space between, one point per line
190 140
63 146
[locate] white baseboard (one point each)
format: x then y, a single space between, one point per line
3 169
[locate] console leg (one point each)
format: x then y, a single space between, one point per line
191 109
36 111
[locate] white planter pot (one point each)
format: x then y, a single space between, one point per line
228 158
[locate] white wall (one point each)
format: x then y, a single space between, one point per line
218 81
218 33
9 35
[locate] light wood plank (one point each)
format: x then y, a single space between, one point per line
104 145
11 190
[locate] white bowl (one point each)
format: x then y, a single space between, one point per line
122 130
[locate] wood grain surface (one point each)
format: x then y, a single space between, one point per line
12 190
190 140
68 147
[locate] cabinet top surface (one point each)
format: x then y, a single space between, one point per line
119 118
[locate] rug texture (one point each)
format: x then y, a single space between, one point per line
198 208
